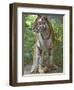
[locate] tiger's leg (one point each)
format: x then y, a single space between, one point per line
36 59
50 56
41 69
51 63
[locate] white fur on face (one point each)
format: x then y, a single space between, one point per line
40 20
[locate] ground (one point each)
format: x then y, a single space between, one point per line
27 69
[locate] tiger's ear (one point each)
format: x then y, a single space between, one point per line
39 15
34 24
46 18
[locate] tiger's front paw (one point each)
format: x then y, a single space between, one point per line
43 69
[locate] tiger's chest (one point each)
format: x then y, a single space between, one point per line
44 43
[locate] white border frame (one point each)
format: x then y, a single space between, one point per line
43 77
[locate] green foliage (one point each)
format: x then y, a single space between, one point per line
29 39
58 42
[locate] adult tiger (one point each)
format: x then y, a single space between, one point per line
44 42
